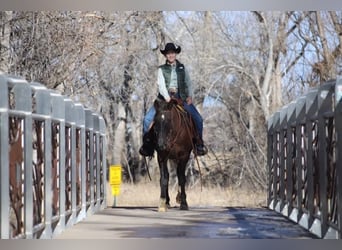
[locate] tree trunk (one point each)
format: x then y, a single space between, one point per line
5 28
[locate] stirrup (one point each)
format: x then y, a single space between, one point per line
202 151
146 153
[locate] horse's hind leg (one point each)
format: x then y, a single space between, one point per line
181 180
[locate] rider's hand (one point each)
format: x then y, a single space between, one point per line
189 100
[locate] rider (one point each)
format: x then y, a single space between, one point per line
173 81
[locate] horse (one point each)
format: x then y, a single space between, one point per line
173 134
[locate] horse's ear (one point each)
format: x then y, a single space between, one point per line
160 104
170 104
174 101
156 104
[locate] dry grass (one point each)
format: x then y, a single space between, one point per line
147 194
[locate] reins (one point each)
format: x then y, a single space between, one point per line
147 169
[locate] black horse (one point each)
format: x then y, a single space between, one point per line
173 132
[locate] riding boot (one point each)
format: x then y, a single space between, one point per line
200 149
147 149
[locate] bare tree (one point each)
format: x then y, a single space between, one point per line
244 66
5 18
327 28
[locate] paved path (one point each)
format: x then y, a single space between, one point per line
198 222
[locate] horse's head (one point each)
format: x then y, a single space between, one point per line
163 123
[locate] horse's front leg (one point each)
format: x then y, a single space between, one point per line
164 186
181 196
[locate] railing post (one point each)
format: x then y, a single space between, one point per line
291 115
97 160
23 103
311 112
4 161
43 108
58 113
324 105
90 128
270 133
103 160
282 152
70 122
275 157
300 118
80 121
338 124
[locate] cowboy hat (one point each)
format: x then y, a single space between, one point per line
171 47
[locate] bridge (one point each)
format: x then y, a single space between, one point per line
53 174
52 166
305 160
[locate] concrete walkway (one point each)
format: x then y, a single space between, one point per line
198 222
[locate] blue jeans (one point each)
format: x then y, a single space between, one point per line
148 119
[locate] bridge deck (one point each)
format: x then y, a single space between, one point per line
198 222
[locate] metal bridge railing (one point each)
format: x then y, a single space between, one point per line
52 161
305 160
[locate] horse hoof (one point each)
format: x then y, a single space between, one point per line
184 207
178 198
162 205
162 209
